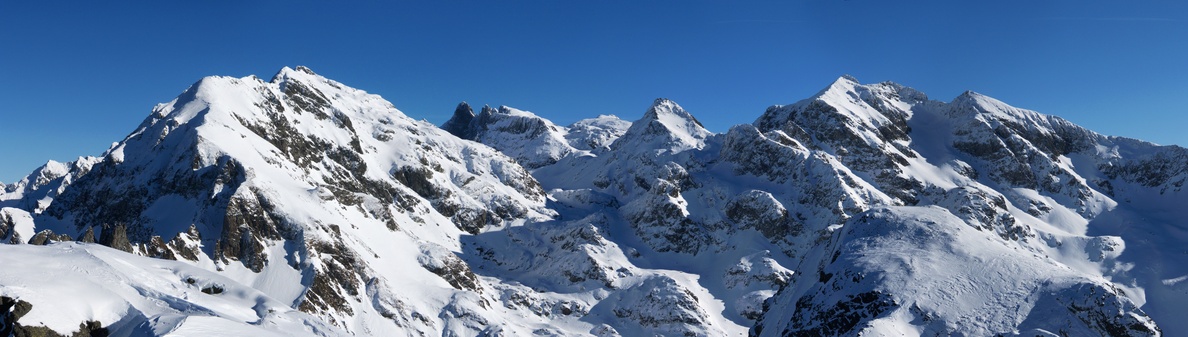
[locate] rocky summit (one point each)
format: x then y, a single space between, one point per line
299 206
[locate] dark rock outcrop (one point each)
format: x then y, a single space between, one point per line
459 123
11 311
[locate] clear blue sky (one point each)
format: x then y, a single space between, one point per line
77 76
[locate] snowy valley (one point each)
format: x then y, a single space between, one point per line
299 206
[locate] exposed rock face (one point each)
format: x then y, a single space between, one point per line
1165 170
115 236
442 262
459 123
47 236
760 210
7 227
11 310
984 210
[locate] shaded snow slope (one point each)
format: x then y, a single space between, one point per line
910 270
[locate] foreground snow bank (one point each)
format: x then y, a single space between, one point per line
72 283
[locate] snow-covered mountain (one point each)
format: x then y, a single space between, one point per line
867 209
533 141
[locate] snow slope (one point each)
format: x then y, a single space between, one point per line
69 283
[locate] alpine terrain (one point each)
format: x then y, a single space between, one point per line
298 206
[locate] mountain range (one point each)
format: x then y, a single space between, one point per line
300 206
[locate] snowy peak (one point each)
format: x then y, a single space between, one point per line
37 190
981 103
459 123
970 102
286 73
865 127
596 134
486 110
843 84
979 118
300 128
665 110
665 127
845 105
848 88
533 141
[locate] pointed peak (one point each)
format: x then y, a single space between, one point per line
53 165
847 85
970 97
667 125
286 73
463 109
459 123
306 70
282 74
662 107
667 104
979 104
842 84
487 110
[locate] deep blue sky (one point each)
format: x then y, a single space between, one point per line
75 77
